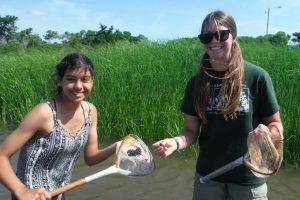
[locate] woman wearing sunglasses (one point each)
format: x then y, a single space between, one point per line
226 100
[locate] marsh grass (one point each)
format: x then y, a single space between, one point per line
139 87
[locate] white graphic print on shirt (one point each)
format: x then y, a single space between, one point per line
217 103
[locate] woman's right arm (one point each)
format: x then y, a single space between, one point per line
34 121
186 138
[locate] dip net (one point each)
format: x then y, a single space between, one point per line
263 158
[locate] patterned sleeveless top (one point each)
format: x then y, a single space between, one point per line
47 160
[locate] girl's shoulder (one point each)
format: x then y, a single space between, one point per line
89 108
39 119
43 108
88 105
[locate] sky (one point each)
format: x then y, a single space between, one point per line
155 19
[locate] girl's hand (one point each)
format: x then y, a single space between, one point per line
36 194
165 147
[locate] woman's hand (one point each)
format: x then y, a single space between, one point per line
165 147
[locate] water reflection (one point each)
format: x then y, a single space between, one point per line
172 179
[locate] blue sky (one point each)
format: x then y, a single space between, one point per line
156 19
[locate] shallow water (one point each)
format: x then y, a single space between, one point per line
172 179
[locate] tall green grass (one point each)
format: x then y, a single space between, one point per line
283 65
139 87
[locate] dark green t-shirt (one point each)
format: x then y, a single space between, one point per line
224 141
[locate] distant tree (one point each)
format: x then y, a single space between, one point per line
7 28
90 38
27 39
263 39
74 38
127 35
118 35
105 35
141 37
280 38
51 35
23 37
296 37
67 37
246 39
35 40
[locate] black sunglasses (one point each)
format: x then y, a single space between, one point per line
221 35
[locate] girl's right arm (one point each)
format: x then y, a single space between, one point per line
93 154
35 121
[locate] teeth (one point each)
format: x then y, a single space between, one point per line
77 94
215 48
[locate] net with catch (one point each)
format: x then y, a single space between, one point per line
134 156
263 158
265 152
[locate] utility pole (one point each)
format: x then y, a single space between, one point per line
268 13
268 18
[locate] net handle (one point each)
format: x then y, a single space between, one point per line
110 170
240 161
222 170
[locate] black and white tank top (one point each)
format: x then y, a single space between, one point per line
47 160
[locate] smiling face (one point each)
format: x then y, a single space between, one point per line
76 84
218 51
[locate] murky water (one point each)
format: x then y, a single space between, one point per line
172 179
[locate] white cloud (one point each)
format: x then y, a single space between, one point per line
37 13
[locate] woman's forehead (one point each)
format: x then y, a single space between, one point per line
214 27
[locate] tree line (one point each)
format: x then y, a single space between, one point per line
10 37
9 34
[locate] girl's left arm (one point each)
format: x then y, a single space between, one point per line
92 153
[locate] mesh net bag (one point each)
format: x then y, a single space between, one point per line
265 152
134 156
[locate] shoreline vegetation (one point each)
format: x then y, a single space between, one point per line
139 86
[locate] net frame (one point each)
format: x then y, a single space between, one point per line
265 155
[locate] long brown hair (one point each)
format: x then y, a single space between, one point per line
232 79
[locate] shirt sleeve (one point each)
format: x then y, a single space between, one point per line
187 104
268 103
